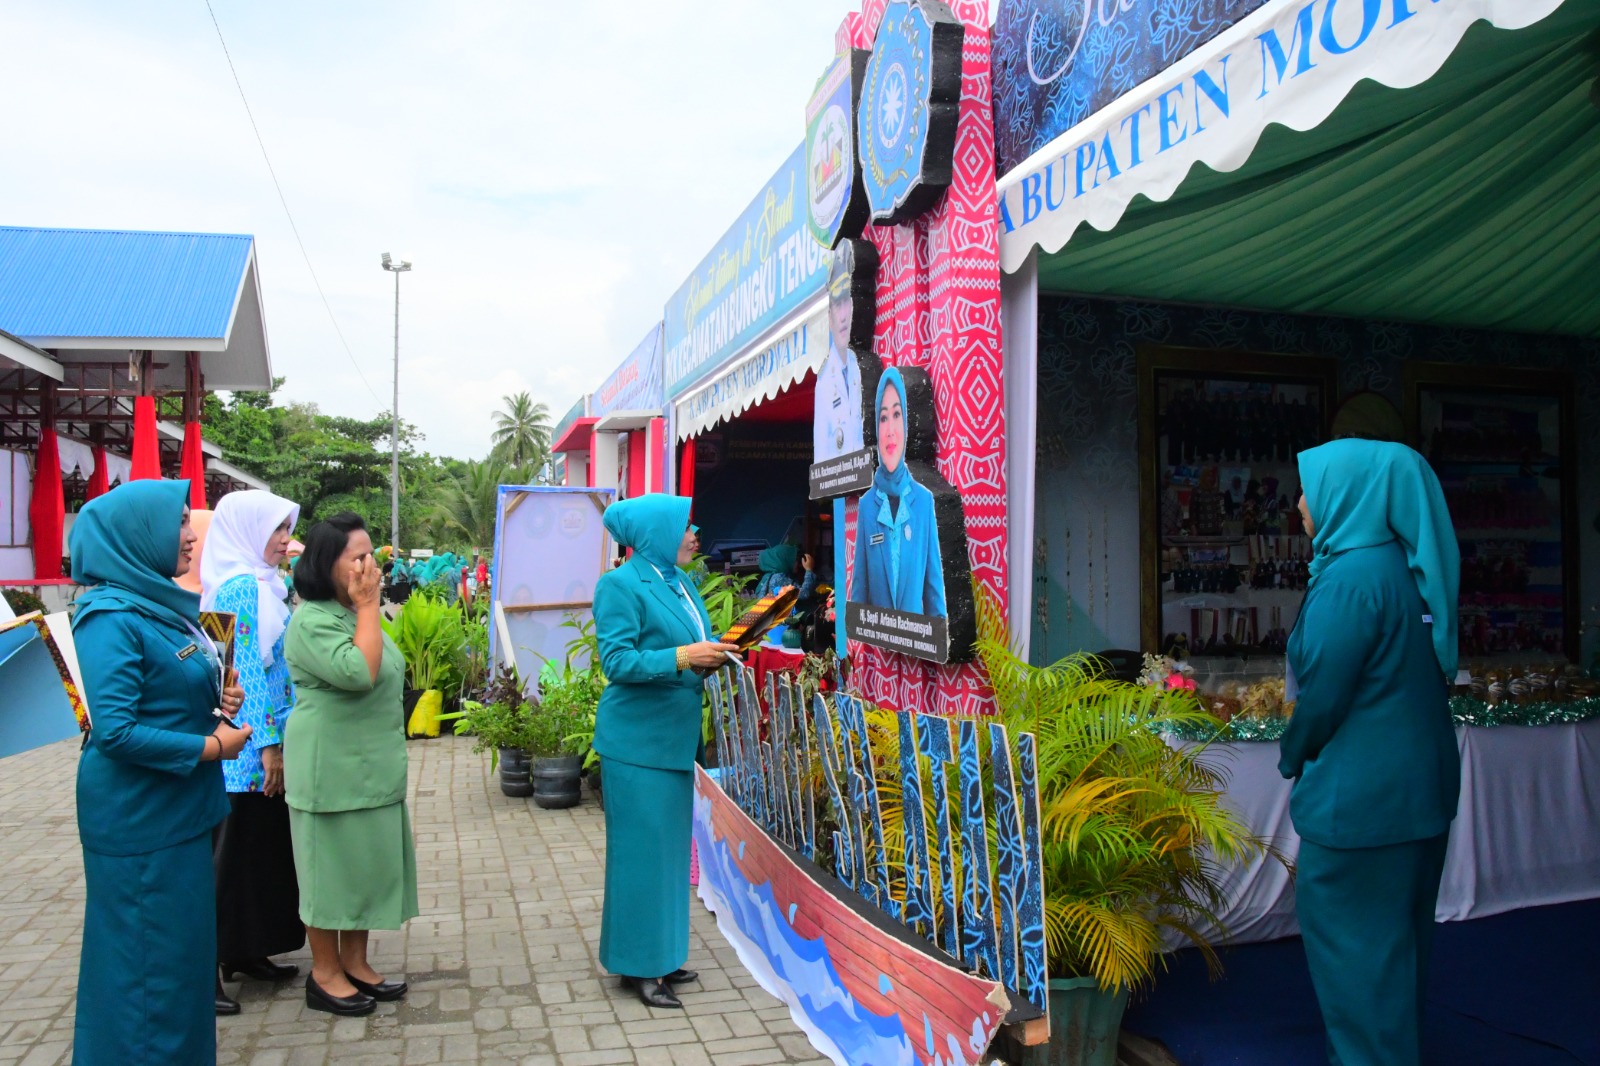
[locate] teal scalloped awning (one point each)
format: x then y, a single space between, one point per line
1472 199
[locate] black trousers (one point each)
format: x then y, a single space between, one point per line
258 896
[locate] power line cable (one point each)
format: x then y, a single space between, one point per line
284 201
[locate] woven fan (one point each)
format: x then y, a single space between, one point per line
220 626
754 624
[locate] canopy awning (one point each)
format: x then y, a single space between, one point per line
796 347
576 437
1344 158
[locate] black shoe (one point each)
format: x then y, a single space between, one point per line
348 1006
262 969
681 977
657 993
226 1004
383 991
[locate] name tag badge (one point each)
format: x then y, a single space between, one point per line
1427 619
188 651
875 540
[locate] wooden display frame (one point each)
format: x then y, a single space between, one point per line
1555 385
1157 361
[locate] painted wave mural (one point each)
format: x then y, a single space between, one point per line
799 971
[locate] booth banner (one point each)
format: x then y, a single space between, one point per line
1290 62
764 268
1059 61
760 376
636 384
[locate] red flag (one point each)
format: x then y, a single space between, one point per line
100 480
146 452
194 467
48 509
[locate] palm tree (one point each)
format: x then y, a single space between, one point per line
468 501
522 431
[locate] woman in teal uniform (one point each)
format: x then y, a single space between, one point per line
654 635
897 563
1370 745
149 783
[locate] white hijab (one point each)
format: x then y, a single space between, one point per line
241 525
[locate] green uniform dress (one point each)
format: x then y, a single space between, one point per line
647 732
146 802
344 758
1370 746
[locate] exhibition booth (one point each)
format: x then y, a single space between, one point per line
1220 234
1327 220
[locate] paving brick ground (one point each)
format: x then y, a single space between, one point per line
501 962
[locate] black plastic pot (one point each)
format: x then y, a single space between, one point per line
514 772
408 703
557 782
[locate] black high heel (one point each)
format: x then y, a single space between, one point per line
383 991
655 992
346 1006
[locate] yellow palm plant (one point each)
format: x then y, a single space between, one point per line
1133 829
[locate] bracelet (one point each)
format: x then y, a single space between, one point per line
219 746
683 657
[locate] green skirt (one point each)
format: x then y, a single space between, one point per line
357 869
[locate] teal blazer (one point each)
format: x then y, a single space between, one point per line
141 784
650 711
1370 744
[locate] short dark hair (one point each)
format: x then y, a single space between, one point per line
313 574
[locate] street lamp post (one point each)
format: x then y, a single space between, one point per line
398 267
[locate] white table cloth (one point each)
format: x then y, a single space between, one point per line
1527 830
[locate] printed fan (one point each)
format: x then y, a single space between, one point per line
767 612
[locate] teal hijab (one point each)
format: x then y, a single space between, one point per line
779 559
1362 493
897 482
652 526
125 545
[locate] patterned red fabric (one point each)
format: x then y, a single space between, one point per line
939 308
47 510
194 467
99 481
146 452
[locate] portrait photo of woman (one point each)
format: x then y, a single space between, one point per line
897 560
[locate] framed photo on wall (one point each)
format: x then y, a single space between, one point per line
1501 441
1223 557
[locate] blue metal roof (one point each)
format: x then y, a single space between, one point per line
62 283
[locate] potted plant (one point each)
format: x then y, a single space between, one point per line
430 634
569 699
501 724
1135 831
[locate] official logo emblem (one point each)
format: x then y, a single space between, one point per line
835 199
909 103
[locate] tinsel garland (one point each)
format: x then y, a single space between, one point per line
1463 709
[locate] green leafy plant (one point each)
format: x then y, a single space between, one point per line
570 693
1135 832
23 602
725 595
502 719
430 634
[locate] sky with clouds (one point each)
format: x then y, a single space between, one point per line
554 170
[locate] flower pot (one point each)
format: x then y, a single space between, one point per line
1084 1025
556 783
514 772
424 720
